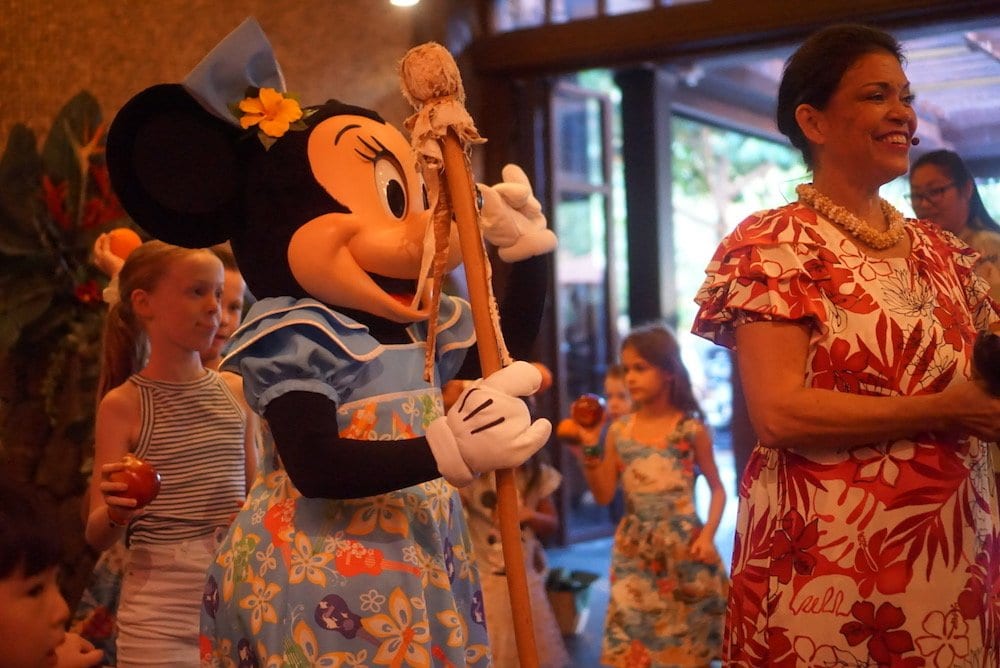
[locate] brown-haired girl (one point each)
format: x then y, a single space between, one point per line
668 584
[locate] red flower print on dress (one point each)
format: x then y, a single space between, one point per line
834 276
838 368
278 520
879 566
981 596
790 547
954 322
885 644
947 638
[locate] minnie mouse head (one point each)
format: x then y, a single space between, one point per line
335 211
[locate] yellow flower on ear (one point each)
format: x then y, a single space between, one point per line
270 111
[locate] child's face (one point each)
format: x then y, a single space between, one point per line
616 397
184 308
232 310
645 382
33 616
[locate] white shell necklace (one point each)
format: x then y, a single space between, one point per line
852 224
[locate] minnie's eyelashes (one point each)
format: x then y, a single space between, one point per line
379 150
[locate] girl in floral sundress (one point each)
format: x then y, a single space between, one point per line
668 585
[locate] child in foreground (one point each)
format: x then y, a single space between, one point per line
33 612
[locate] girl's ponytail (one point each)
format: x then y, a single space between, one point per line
122 350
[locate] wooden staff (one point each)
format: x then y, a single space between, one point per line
432 84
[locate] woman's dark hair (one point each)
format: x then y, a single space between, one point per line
28 540
657 345
951 164
814 71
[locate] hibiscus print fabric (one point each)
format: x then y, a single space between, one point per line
664 608
384 580
885 554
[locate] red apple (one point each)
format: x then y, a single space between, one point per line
142 479
588 410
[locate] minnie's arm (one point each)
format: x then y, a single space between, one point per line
321 463
489 427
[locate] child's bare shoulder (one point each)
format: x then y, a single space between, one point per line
121 400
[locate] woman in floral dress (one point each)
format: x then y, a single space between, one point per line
867 531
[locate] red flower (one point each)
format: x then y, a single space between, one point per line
953 322
884 644
879 566
55 201
980 599
88 292
790 547
838 368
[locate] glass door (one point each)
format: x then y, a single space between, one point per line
585 308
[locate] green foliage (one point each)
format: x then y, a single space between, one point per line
53 205
698 148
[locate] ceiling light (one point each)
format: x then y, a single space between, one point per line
404 3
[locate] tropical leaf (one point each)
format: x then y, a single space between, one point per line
23 299
20 193
65 154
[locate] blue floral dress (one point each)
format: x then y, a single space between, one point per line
382 580
664 608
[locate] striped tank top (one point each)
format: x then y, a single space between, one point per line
192 433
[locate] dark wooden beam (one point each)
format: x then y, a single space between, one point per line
702 28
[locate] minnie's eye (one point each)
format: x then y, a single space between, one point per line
390 185
425 195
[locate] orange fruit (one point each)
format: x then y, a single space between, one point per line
123 241
546 377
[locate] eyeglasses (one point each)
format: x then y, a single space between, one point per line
929 195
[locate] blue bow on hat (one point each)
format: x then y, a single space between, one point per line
244 58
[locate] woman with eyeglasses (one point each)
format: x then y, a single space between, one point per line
943 191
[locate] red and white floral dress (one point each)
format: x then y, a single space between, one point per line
886 554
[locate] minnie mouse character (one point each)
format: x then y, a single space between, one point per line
351 548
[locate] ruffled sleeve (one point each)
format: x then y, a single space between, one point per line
771 267
291 345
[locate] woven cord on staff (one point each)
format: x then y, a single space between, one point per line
437 112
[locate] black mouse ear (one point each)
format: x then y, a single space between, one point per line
176 169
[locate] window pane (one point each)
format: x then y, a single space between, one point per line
707 162
514 14
578 122
581 290
627 6
571 10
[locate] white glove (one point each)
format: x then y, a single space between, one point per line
489 427
512 219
